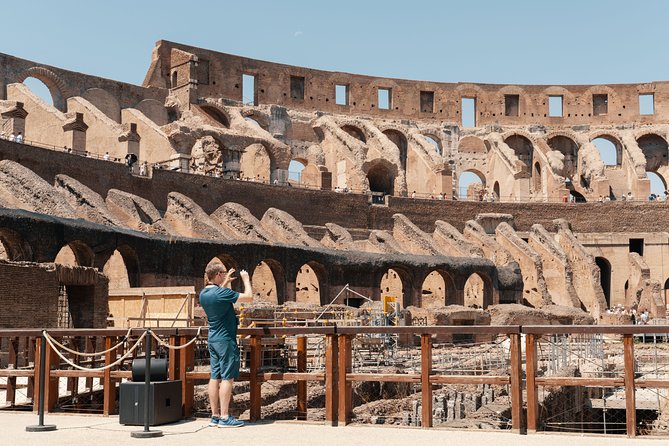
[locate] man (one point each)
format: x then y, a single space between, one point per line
217 300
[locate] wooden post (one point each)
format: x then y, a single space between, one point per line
516 383
630 403
301 385
331 394
255 381
51 383
108 384
531 385
36 382
173 359
345 389
12 363
31 354
425 386
90 349
186 364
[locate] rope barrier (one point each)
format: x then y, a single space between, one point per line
174 347
74 352
50 340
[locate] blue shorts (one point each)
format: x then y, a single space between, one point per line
224 360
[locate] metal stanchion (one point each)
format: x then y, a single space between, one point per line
41 427
146 433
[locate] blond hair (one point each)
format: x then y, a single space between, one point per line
213 269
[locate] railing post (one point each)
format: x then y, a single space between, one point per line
109 384
331 394
301 385
531 374
186 364
345 388
516 383
255 380
12 363
425 386
630 403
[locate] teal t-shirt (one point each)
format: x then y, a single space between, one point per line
218 304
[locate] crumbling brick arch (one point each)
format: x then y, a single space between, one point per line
388 281
217 113
439 283
567 145
434 140
655 148
523 146
472 144
380 175
256 162
13 247
612 138
355 132
462 193
121 267
57 87
400 140
268 280
76 253
311 283
478 291
256 117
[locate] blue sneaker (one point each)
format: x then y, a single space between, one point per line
214 421
230 422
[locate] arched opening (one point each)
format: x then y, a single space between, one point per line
471 185
295 169
75 253
569 149
523 149
41 90
434 142
434 292
578 197
657 184
392 285
400 141
217 115
174 79
605 278
268 282
354 132
308 286
380 179
116 272
475 290
12 246
656 151
253 122
666 292
610 150
255 163
496 190
536 178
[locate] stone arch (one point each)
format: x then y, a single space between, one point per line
400 140
105 102
310 284
611 138
569 148
258 118
217 113
605 278
174 79
496 190
122 268
269 282
154 110
57 87
655 149
75 253
355 132
438 290
381 176
522 146
470 190
472 144
666 291
478 291
13 247
256 163
536 177
435 141
396 282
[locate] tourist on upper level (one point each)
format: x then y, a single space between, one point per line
11 137
630 197
19 138
143 168
106 156
2 135
413 194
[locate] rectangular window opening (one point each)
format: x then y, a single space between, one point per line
647 104
511 102
468 112
427 101
297 87
636 245
249 89
341 94
385 98
555 106
600 104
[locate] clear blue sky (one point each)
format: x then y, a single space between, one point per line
496 41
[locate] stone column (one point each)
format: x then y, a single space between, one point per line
130 142
75 125
14 118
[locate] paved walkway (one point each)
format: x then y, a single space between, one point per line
100 431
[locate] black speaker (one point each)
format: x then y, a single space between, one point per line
164 401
